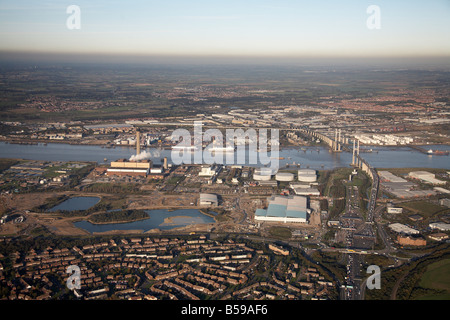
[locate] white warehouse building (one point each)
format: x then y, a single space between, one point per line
207 199
426 177
284 209
401 228
440 226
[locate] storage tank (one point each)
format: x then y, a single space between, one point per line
284 176
307 175
262 174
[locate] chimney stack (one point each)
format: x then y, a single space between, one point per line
138 142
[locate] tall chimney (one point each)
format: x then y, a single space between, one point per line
138 142
165 166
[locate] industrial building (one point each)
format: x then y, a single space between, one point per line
393 210
440 226
284 209
124 163
208 171
400 187
389 177
425 176
269 183
438 236
386 139
304 190
207 199
411 241
401 228
130 168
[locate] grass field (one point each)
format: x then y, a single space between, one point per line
437 277
424 207
280 232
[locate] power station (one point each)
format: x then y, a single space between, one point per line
143 167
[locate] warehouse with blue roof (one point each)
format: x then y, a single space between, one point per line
284 209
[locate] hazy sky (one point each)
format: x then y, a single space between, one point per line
231 27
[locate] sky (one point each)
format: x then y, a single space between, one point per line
251 28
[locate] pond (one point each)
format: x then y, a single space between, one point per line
76 204
158 219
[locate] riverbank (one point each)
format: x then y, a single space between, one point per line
102 143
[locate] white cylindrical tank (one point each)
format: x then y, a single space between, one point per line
262 174
306 171
307 175
284 176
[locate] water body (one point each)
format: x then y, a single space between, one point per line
76 204
158 219
307 157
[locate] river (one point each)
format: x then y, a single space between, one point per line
307 157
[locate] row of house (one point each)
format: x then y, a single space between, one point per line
176 268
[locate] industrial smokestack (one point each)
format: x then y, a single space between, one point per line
138 142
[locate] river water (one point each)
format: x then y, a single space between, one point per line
307 157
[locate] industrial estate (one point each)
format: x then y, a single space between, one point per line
103 193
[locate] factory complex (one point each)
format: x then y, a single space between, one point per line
402 188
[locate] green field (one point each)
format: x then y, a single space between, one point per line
436 277
280 232
425 207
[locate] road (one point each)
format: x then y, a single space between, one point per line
353 290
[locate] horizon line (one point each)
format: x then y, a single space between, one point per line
74 57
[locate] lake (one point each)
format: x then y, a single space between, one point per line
158 219
76 204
